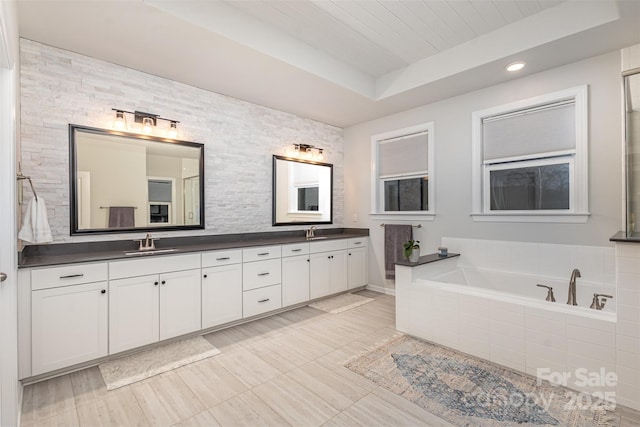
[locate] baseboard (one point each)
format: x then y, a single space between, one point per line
381 289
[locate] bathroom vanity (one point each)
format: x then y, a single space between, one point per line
76 309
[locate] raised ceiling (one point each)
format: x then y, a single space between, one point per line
337 61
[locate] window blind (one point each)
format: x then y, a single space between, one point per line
159 191
545 129
404 155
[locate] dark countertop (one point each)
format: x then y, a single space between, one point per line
68 253
426 259
621 236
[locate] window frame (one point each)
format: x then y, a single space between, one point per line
578 178
377 180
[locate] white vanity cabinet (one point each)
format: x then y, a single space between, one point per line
221 287
328 268
295 273
153 299
357 262
261 280
69 315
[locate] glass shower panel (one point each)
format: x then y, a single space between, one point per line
632 152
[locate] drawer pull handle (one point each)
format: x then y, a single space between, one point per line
205 276
72 276
224 258
357 243
163 282
263 254
264 300
103 291
155 283
296 250
263 274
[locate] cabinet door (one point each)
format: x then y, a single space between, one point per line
319 277
133 312
69 326
338 271
357 267
180 303
221 295
295 280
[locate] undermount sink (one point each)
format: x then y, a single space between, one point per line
317 238
151 252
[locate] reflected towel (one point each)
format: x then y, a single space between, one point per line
35 228
121 216
395 236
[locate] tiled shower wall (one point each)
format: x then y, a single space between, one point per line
59 87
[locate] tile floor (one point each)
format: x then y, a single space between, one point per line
279 371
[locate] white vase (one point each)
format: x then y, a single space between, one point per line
415 255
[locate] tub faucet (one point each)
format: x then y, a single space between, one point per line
311 232
550 296
571 300
597 303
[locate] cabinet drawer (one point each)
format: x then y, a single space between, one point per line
73 274
260 274
260 253
295 249
261 300
157 264
357 242
215 258
328 245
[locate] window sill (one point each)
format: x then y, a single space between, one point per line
409 216
577 218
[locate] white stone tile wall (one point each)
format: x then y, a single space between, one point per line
59 87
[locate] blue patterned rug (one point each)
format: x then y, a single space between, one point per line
467 391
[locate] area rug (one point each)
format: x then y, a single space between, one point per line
341 303
467 391
137 367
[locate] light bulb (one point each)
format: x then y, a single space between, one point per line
147 125
173 130
320 155
119 123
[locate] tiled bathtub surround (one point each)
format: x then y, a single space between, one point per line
628 326
528 336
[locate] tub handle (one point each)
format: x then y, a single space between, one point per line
550 296
597 303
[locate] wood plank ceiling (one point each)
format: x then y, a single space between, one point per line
380 36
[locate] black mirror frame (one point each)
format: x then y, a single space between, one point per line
274 221
73 200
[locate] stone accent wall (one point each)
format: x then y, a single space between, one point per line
59 87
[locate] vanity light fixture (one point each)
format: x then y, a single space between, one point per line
515 66
305 151
148 123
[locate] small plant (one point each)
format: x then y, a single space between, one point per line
409 247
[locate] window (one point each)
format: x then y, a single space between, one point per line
402 175
530 159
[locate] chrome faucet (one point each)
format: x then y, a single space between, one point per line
310 233
550 296
598 304
147 244
571 299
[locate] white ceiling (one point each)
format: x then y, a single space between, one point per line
337 61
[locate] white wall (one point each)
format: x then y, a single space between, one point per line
452 119
59 87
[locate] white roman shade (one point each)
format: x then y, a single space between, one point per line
404 155
548 128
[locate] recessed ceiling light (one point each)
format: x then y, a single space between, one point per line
515 66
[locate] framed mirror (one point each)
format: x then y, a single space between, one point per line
302 192
123 182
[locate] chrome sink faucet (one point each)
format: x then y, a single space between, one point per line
571 300
310 233
147 244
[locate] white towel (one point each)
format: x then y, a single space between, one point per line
35 228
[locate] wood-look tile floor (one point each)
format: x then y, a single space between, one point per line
285 370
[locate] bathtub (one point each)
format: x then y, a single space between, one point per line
503 317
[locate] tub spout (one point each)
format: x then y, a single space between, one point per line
571 300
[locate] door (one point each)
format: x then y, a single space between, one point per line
295 279
319 277
357 267
69 325
180 303
221 295
338 271
133 312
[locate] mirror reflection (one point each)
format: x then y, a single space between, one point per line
302 192
123 182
